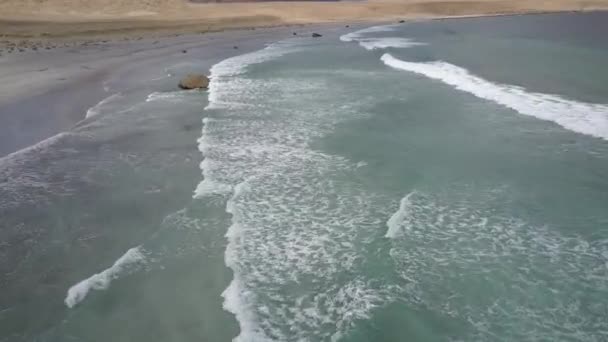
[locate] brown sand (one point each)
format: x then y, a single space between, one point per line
41 19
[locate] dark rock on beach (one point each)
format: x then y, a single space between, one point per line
194 81
316 35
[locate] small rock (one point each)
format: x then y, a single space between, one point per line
316 35
184 51
194 81
347 26
401 21
295 34
235 47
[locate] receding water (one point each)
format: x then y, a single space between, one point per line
428 181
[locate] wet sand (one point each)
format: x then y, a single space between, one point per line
45 92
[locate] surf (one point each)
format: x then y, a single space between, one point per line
399 220
585 118
445 241
224 87
101 281
291 224
376 43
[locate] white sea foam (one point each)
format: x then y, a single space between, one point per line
165 96
585 118
291 222
373 43
102 104
222 73
355 36
387 42
523 272
25 182
236 296
100 281
399 220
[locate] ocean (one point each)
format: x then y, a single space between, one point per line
435 180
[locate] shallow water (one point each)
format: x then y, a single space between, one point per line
432 181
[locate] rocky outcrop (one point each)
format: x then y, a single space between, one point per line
194 81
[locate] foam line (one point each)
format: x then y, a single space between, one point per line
586 118
102 280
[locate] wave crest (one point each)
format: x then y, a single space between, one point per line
586 118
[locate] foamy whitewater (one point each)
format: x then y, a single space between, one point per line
101 281
371 43
398 220
260 149
585 118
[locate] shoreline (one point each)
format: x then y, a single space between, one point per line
68 79
46 93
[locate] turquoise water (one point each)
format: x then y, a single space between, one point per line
431 181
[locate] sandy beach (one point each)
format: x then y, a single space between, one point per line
91 19
66 81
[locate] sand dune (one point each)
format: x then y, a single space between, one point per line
49 18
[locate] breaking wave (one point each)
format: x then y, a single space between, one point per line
534 283
101 281
586 118
373 43
292 227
